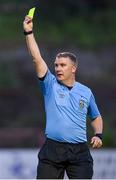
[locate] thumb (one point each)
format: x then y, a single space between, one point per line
92 140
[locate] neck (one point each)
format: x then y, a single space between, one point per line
68 83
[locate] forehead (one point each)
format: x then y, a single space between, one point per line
60 60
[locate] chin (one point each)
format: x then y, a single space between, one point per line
60 79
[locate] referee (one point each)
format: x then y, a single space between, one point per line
67 104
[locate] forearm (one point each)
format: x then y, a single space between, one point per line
40 65
33 48
97 125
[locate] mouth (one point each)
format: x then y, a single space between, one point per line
59 75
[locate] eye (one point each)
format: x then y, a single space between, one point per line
56 65
63 65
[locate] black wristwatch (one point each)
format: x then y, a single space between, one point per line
27 32
100 135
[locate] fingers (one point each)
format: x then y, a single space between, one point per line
96 142
27 20
27 23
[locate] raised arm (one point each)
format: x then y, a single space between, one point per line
40 65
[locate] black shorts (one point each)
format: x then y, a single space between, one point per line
56 157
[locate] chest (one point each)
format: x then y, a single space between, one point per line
72 99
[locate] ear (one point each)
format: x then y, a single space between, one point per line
74 68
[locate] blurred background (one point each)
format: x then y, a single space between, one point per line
84 27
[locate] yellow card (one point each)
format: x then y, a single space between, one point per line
31 12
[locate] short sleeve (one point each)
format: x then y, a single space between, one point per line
46 82
93 111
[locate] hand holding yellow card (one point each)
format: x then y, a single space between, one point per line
31 12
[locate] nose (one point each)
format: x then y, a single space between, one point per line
58 68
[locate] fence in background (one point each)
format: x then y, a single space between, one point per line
22 163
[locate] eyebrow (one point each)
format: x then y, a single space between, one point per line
59 63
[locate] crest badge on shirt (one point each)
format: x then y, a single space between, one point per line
61 95
81 104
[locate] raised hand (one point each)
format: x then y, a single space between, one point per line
28 24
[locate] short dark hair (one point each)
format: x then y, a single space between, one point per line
71 56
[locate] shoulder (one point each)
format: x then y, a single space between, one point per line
84 89
48 76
